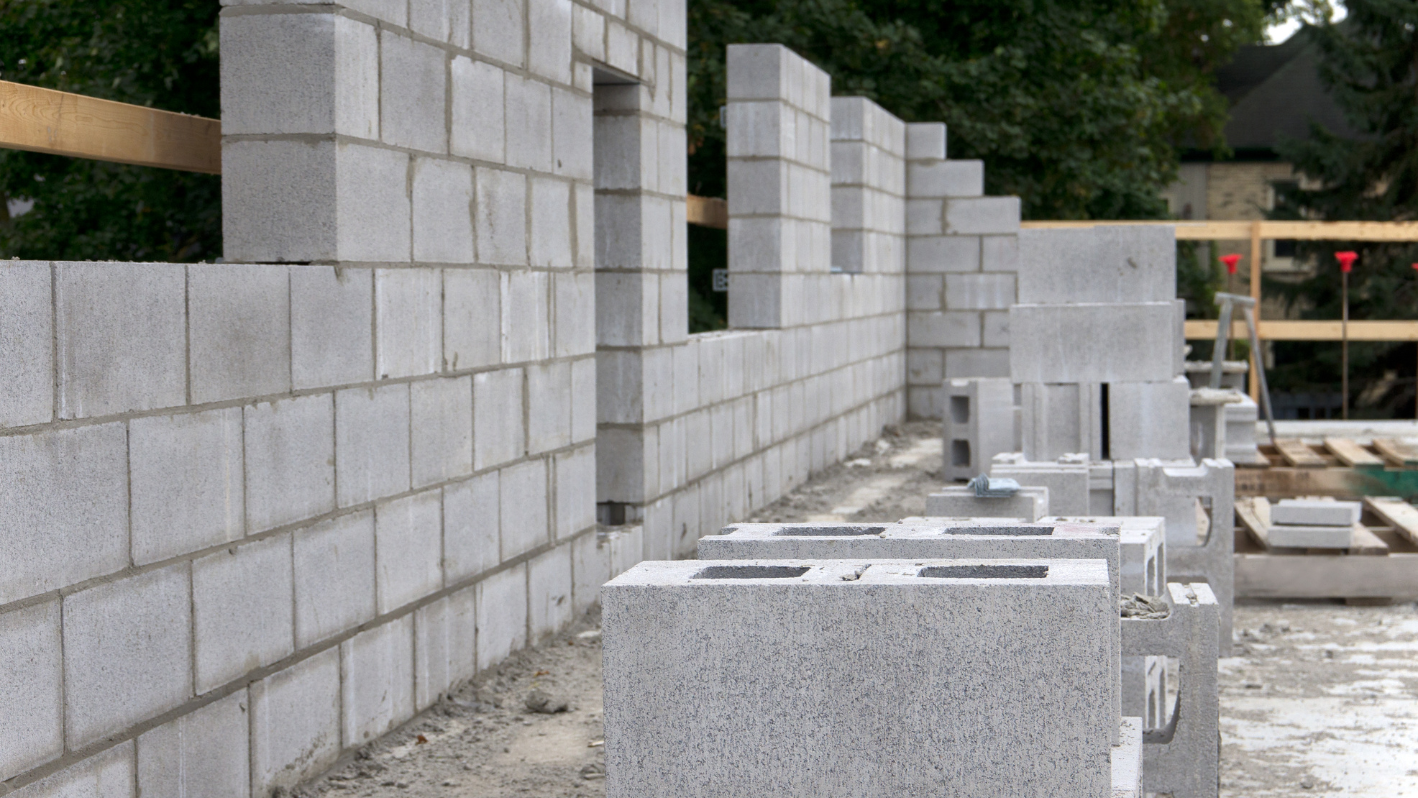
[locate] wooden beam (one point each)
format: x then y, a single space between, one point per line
707 212
1321 576
1396 452
1300 330
1351 453
60 123
1242 230
1298 454
1366 543
1397 512
1249 514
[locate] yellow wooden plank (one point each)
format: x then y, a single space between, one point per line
707 211
1293 330
1351 453
1249 514
60 123
1242 230
1397 453
1281 576
1298 454
1364 542
1402 515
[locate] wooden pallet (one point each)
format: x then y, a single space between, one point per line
1338 467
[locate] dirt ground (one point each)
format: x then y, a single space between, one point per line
1321 699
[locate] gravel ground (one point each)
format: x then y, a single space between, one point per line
1322 699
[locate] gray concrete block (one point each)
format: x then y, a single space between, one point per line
185 483
105 775
371 443
760 71
242 613
529 109
408 311
377 688
1107 264
472 523
590 567
31 688
987 691
1062 419
497 418
443 211
430 18
981 215
127 653
441 413
999 253
943 328
295 722
1149 419
120 336
388 10
549 40
372 198
1029 504
1067 482
946 179
501 615
444 643
524 508
526 317
925 141
66 495
549 591
551 242
943 253
334 577
979 291
204 752
549 401
290 456
279 200
571 134
574 300
575 492
996 329
924 366
1315 512
27 329
239 330
583 412
478 127
412 92
331 326
501 217
472 318
408 550
1311 536
1092 343
925 292
499 30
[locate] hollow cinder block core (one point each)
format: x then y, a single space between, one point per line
984 572
1016 531
960 453
828 531
751 572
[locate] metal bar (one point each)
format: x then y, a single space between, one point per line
1258 369
1223 329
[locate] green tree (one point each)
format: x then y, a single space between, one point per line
1369 64
157 53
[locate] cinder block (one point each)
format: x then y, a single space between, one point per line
299 73
1067 481
529 106
1060 420
295 722
760 71
1109 264
548 406
290 455
588 32
372 198
526 317
443 211
924 292
371 443
242 614
121 337
331 325
591 567
549 42
430 18
943 328
946 179
412 89
477 117
27 327
954 501
105 775
442 429
31 688
186 488
66 492
334 577
408 550
1315 512
1040 691
981 215
443 647
1149 419
999 253
472 318
524 508
574 301
551 244
583 387
943 253
206 752
280 200
387 10
472 521
979 291
127 653
549 592
497 418
1092 342
499 30
924 366
377 688
502 615
409 322
925 141
239 330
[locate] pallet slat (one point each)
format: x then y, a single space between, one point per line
1402 515
1365 542
1285 576
1351 453
1249 516
1298 454
1396 452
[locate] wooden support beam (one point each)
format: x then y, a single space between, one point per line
1243 230
707 212
1324 576
60 123
1293 330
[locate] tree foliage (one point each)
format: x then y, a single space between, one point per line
1077 107
157 53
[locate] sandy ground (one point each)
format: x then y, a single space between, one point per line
1322 699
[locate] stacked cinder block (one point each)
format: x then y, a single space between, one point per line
812 690
1314 523
868 187
960 501
961 259
980 421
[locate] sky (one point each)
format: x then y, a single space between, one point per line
1279 33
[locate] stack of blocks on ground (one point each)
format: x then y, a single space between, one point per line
268 509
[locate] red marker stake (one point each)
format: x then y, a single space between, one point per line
1346 265
1231 261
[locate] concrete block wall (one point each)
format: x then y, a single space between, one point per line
962 257
868 187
